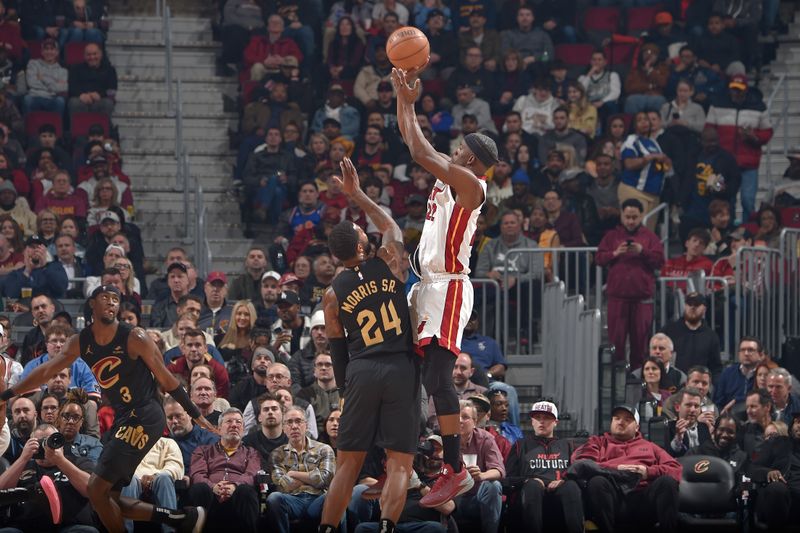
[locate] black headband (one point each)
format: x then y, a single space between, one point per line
480 151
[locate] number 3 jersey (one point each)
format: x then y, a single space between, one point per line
373 309
127 382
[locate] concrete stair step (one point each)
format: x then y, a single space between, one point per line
158 217
178 24
162 106
164 150
226 81
165 127
155 38
230 247
217 232
185 72
136 56
158 182
165 165
151 91
524 370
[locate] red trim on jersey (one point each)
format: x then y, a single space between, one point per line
451 316
456 229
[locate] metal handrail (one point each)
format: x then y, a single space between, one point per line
166 37
661 208
782 120
160 7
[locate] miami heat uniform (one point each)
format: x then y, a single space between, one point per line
441 302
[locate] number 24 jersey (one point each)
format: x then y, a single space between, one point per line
373 310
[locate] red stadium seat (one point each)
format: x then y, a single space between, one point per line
81 122
36 119
35 49
575 54
621 53
641 18
790 217
73 53
602 19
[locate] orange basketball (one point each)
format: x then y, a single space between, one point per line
408 48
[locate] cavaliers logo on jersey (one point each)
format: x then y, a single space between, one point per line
103 370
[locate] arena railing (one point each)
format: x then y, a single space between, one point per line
569 363
661 214
790 274
759 291
672 291
166 37
779 119
522 303
488 290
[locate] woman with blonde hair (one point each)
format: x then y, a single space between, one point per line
128 275
235 344
582 114
104 197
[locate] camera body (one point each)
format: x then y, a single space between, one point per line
54 442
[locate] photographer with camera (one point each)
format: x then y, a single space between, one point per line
43 467
36 273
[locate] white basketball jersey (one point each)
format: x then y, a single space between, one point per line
446 242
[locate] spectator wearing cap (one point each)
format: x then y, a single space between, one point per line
255 384
17 208
774 465
301 365
216 313
472 72
47 81
165 310
538 465
469 103
337 108
665 34
158 287
102 167
694 342
93 83
692 260
36 273
110 225
246 285
269 291
531 42
743 124
292 331
562 134
522 197
639 464
264 53
478 35
483 502
62 199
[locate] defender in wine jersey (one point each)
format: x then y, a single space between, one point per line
370 334
441 302
127 365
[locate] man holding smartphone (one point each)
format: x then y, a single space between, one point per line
36 276
632 254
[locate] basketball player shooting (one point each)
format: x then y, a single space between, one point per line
127 365
370 334
441 302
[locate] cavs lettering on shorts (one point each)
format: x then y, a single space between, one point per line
135 436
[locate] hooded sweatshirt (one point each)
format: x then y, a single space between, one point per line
539 457
631 275
608 452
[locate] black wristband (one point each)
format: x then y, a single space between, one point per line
179 393
340 356
7 394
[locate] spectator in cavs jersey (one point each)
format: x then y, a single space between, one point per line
539 464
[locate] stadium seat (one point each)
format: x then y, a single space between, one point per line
576 55
641 18
707 493
620 54
35 119
790 217
602 19
81 122
34 49
73 54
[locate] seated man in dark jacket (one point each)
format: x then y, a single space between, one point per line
539 464
93 83
692 427
777 464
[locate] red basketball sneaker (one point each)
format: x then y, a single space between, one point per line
448 486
